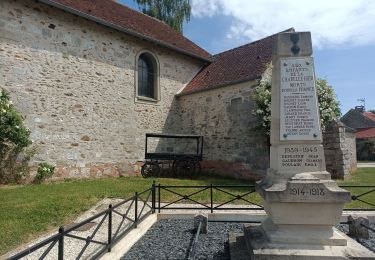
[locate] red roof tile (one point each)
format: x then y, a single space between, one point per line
369 115
365 133
120 17
244 63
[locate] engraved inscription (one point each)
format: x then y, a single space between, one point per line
301 158
297 156
299 118
307 192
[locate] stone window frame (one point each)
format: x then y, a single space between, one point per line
155 60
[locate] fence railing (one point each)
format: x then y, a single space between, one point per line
119 219
129 213
211 191
362 195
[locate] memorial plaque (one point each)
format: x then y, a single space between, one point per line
301 158
299 119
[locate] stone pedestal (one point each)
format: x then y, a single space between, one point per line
302 203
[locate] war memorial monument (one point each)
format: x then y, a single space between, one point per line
303 204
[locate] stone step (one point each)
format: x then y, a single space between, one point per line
237 247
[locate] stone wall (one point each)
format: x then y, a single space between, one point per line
339 149
224 117
74 81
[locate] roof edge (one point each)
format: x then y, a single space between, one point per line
219 86
121 29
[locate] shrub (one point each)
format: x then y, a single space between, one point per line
329 106
14 138
45 170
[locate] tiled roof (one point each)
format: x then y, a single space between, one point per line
369 115
357 119
247 62
125 19
365 133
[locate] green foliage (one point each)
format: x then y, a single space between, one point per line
372 111
328 105
172 12
14 138
262 97
12 130
45 170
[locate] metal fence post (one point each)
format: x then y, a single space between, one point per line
159 198
153 196
136 210
212 208
60 255
110 228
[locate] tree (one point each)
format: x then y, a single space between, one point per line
172 12
328 104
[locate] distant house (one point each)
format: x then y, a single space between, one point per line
364 124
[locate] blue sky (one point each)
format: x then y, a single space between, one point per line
343 34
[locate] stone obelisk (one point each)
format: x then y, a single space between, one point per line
303 204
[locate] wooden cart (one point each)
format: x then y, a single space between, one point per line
172 155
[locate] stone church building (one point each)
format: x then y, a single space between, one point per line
92 77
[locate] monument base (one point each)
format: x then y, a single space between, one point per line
302 212
242 247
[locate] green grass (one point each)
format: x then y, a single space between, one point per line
27 211
30 210
363 177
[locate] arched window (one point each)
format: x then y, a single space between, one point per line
147 76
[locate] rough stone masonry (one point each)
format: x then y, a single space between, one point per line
74 81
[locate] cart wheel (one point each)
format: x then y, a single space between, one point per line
186 167
150 169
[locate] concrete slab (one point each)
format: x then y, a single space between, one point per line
263 249
252 216
366 165
130 239
353 250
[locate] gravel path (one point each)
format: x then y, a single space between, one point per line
172 238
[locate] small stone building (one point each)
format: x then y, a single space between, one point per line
364 124
93 76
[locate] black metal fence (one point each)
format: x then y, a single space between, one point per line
144 203
139 206
359 196
209 193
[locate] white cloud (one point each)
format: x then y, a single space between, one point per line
332 22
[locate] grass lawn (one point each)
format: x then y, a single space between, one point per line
363 177
27 211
